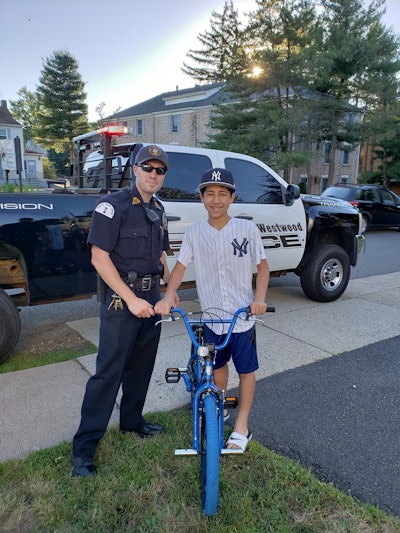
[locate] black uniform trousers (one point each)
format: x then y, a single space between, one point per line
127 351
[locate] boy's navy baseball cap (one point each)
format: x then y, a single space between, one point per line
146 153
217 176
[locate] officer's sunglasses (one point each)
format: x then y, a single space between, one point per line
149 168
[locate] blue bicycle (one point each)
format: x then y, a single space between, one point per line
208 401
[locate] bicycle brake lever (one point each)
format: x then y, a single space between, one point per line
169 319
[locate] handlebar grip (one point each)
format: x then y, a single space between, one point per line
270 309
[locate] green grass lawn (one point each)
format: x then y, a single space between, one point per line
23 360
142 486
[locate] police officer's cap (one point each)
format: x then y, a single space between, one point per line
151 152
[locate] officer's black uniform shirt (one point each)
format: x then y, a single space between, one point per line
121 226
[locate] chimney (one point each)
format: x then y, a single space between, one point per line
4 104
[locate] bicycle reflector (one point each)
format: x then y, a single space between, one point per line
202 351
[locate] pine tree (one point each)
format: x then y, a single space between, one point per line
223 51
271 112
349 65
63 111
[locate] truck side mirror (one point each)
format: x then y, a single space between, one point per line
291 194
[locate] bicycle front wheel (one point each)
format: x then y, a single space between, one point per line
209 456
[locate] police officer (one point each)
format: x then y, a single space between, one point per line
128 238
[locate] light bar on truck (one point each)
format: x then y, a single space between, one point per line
115 129
111 129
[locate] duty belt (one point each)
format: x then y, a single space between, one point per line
142 284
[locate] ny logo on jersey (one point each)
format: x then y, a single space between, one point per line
240 248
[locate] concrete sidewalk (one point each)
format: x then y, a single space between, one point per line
41 406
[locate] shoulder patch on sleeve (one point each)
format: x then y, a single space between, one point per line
106 209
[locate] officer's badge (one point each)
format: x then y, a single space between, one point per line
106 209
155 151
135 200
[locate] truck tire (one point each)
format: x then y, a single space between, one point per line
325 276
10 325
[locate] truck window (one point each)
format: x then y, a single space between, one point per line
183 176
254 184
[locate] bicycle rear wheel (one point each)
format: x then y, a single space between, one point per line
209 456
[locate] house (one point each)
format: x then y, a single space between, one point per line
185 117
34 155
31 155
181 117
10 129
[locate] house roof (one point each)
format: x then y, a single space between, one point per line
6 117
198 96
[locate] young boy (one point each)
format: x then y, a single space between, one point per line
225 251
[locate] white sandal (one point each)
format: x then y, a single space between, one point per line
239 440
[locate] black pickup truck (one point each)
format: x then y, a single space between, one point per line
44 257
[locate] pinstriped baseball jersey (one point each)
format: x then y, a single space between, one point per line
224 262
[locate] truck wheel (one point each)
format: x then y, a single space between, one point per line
325 276
10 325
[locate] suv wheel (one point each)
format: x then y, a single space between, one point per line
364 223
326 274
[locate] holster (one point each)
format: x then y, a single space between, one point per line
101 289
131 280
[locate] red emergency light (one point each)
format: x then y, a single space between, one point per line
113 129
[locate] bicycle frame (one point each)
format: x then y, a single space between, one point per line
207 402
199 374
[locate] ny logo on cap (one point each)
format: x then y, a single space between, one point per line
216 175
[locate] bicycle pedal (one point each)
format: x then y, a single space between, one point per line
187 451
231 401
172 375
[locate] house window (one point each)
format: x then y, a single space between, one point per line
3 133
213 117
344 157
323 183
302 183
326 150
139 126
174 124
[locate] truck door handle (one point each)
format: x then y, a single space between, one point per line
172 218
246 217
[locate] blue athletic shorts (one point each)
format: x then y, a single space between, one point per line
242 347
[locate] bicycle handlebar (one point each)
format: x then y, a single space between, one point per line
232 321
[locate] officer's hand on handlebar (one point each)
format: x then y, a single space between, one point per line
141 308
258 308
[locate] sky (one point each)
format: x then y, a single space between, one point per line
128 51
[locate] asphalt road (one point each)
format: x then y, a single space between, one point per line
340 417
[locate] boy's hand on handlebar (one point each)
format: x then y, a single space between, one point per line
163 307
258 308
